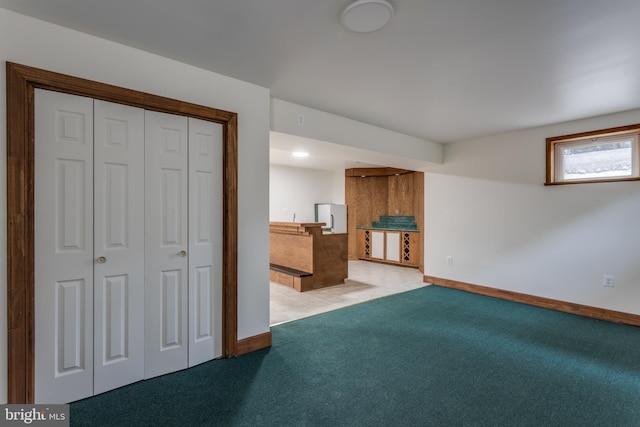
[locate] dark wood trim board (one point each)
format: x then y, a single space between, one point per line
257 342
567 307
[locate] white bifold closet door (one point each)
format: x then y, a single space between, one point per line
89 226
205 241
183 242
128 246
118 245
63 247
166 243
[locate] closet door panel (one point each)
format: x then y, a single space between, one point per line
205 241
166 243
119 245
63 247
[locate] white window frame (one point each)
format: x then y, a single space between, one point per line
555 146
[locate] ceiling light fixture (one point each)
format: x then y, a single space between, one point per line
300 154
366 16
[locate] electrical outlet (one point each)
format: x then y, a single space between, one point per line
300 120
449 260
608 280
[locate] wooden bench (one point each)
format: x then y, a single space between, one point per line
289 271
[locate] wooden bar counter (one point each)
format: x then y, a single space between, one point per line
304 258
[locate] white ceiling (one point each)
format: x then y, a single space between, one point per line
442 70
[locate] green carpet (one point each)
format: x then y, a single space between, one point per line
429 357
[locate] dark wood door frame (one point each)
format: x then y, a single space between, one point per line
21 82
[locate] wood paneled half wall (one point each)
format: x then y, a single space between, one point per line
303 257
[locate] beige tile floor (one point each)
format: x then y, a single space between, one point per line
366 281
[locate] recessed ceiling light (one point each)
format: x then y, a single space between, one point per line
300 154
365 16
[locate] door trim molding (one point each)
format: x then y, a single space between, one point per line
21 82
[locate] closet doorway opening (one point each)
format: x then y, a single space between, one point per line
21 84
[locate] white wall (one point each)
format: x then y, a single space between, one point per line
486 206
297 190
39 44
338 187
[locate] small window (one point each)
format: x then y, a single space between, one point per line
599 156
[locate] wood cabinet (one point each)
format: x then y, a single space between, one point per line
390 246
373 192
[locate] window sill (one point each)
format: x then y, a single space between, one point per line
591 181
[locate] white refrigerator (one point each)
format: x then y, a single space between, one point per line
334 216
